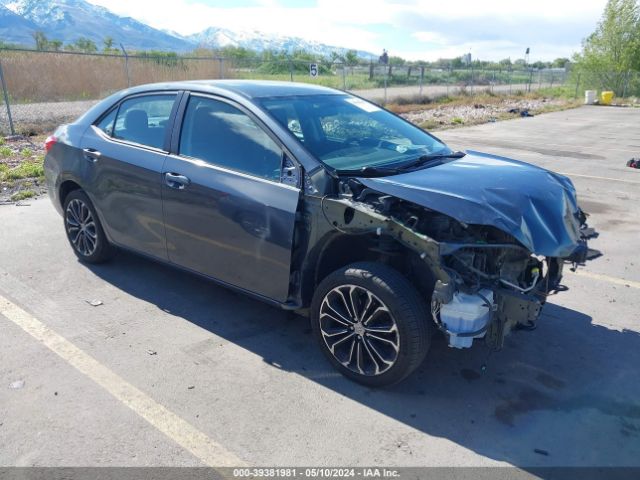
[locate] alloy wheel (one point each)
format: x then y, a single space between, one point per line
81 227
359 330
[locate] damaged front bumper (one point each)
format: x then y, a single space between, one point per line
480 290
501 312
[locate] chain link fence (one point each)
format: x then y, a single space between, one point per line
624 84
44 89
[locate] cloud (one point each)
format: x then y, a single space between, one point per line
430 37
415 29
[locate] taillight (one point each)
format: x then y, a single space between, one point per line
49 143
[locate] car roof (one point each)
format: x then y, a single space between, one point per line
247 88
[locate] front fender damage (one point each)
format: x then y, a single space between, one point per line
486 283
356 218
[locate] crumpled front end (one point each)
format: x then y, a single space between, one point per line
488 277
535 206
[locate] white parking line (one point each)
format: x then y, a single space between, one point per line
462 137
184 434
607 278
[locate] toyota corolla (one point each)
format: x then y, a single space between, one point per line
318 201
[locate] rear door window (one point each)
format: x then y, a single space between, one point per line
143 120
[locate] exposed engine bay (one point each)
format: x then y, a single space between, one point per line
483 281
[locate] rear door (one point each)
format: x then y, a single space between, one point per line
124 152
227 213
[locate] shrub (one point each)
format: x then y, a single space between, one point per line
22 195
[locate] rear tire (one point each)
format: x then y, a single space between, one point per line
371 323
83 229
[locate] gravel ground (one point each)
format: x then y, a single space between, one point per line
447 116
436 91
40 117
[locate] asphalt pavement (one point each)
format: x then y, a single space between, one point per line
133 363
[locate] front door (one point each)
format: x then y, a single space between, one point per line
227 215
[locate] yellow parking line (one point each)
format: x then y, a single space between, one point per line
607 278
184 434
608 179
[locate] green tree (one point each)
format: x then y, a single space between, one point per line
397 61
8 46
108 44
43 43
335 57
85 45
351 58
540 65
457 62
613 50
41 40
560 62
55 45
240 57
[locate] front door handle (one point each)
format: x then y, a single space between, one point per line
176 181
91 154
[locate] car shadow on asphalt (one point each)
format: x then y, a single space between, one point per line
565 394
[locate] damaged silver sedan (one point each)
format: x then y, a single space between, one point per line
320 202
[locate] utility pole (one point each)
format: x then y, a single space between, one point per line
126 65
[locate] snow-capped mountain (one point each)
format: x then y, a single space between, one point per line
217 37
68 20
15 27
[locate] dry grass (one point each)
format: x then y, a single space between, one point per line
37 76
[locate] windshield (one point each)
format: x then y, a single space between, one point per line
348 133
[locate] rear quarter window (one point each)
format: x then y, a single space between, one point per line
108 121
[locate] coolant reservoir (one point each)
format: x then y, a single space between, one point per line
465 314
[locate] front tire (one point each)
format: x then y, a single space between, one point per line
371 323
83 229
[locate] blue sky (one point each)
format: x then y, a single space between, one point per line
414 29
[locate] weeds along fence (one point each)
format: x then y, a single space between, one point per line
625 83
33 76
44 89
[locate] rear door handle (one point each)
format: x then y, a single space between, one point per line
91 154
176 181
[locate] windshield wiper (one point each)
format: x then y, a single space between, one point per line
369 171
425 159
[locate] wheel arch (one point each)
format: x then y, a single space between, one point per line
70 185
65 188
338 250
